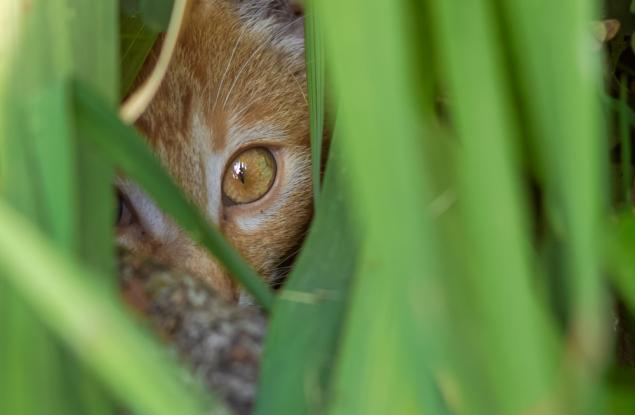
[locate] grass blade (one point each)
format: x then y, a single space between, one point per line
562 108
625 145
503 303
41 168
101 335
296 374
619 257
315 85
137 39
392 343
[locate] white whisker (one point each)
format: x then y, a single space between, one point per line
229 62
254 54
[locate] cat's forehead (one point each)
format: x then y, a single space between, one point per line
232 67
233 80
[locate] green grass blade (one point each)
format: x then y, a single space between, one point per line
94 57
393 339
44 44
562 108
625 145
29 343
315 85
54 164
124 147
620 401
137 39
502 301
101 334
618 252
156 13
302 340
141 22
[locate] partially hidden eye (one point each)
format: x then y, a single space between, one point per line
249 176
125 215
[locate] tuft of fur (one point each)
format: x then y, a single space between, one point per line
277 20
237 80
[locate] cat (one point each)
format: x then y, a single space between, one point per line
230 123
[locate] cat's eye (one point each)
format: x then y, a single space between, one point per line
249 176
125 214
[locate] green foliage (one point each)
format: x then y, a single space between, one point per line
462 233
101 334
314 301
315 76
140 22
60 183
137 39
43 171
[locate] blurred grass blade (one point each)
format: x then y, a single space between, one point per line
93 55
619 258
625 144
394 336
125 148
54 164
563 112
498 283
620 400
566 127
31 362
26 348
101 334
302 340
44 44
315 84
53 182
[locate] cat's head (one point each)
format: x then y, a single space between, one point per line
230 123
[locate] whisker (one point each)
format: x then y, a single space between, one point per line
254 54
295 78
229 62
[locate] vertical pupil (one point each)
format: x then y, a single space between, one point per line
239 171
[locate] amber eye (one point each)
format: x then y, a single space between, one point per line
249 176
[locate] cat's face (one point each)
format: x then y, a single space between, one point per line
230 123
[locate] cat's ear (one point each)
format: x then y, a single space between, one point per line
297 10
289 13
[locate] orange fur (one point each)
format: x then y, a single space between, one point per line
237 80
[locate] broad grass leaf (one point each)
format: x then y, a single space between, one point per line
102 335
42 166
306 325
